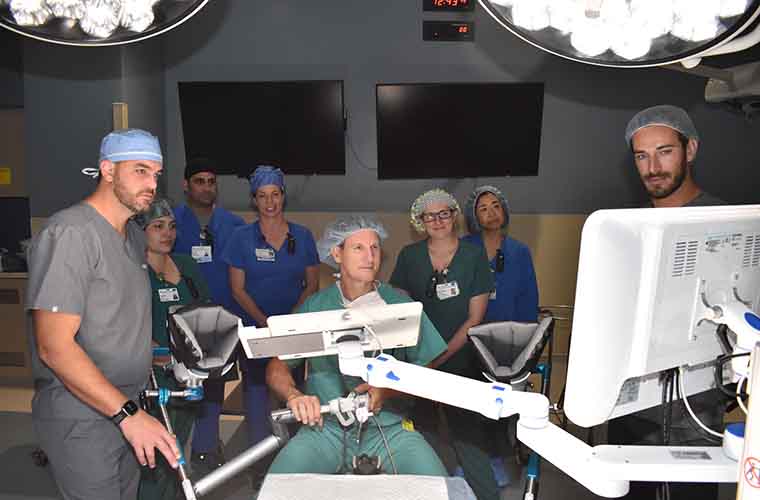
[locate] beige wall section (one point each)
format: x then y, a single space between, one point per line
12 153
553 239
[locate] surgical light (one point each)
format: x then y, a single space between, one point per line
630 33
95 22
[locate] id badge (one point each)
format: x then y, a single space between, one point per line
201 254
168 294
447 290
265 255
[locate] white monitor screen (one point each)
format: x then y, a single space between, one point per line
644 277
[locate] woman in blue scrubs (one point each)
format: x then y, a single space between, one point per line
273 267
515 296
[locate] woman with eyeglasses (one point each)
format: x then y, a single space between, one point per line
175 279
515 296
452 280
273 268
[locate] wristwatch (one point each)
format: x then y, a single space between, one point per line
129 409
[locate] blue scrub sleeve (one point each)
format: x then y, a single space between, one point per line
526 308
233 253
312 257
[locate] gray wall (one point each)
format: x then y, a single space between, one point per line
68 92
11 71
584 164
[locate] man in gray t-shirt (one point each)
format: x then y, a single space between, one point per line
88 298
664 143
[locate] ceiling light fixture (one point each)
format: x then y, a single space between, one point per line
95 22
631 33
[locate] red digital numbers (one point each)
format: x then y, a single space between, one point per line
449 3
463 29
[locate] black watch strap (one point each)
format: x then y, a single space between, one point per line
129 409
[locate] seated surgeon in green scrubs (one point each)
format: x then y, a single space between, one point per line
452 279
352 243
175 279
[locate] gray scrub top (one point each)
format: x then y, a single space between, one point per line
79 264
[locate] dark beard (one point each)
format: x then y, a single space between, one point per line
671 188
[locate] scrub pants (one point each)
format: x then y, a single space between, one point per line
469 440
206 435
90 459
162 482
256 399
330 450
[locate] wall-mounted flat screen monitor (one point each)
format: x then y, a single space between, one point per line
16 223
456 130
295 125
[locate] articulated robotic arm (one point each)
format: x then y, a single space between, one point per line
605 470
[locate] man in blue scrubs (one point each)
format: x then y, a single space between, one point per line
203 229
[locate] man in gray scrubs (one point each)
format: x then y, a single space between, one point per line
664 142
89 302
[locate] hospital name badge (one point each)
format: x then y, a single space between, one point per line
265 255
168 294
201 253
447 290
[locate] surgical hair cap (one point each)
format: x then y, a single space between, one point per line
338 231
130 144
265 175
470 207
665 115
425 200
159 208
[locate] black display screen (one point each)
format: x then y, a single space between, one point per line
297 126
457 130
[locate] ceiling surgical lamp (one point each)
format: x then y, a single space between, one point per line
95 22
631 33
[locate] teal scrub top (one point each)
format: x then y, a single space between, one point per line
188 269
469 269
324 378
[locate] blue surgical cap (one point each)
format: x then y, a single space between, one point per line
336 233
470 213
266 175
130 144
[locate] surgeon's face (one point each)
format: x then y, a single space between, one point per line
359 256
269 200
438 219
662 160
134 183
201 189
489 211
160 235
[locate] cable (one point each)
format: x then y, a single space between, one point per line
353 151
685 399
387 446
739 394
374 336
718 372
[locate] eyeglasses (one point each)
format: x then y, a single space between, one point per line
442 215
207 236
437 278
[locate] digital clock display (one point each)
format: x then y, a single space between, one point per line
449 5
